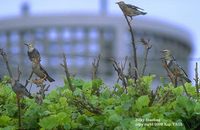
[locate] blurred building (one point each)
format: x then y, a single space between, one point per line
84 37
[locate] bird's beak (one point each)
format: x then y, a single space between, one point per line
26 44
116 2
163 51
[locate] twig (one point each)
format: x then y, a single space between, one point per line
197 79
184 88
83 103
41 94
27 81
19 112
95 66
5 58
120 73
147 48
64 65
133 45
169 73
18 73
30 88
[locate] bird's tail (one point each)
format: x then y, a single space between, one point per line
143 13
28 95
50 79
187 80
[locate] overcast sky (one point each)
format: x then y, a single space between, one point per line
182 13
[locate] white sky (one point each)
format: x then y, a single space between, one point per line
183 13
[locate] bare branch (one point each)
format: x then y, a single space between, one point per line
133 45
18 73
184 88
27 81
147 48
41 93
170 75
67 72
5 58
84 104
19 112
95 66
196 79
120 73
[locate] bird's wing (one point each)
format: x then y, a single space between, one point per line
179 67
29 55
183 71
37 52
134 7
43 70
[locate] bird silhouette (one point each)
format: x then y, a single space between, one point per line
130 10
20 89
172 65
32 52
39 70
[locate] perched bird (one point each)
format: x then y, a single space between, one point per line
40 71
172 65
33 52
20 89
130 10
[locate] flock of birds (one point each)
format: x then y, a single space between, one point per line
176 71
37 69
129 10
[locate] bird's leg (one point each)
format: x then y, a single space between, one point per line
45 76
41 80
175 81
38 81
130 19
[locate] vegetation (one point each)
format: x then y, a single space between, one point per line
94 106
130 104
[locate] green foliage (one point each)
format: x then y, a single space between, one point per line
93 105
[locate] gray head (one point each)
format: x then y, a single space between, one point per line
166 51
120 3
30 46
166 54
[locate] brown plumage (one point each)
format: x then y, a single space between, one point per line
130 10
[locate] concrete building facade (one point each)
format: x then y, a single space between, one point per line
84 37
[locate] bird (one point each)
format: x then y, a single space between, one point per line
32 52
130 10
173 66
39 70
19 89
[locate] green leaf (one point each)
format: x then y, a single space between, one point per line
78 83
87 87
184 101
178 91
148 80
96 83
106 93
63 118
49 122
119 89
4 120
77 92
197 108
63 101
142 101
115 118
